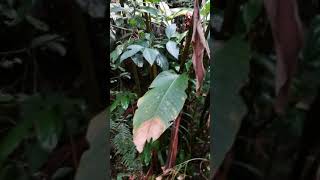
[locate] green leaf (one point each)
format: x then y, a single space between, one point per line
175 12
173 49
205 10
116 53
164 8
153 11
13 139
162 61
133 49
37 23
120 176
35 156
116 9
57 47
181 36
125 102
159 107
138 60
62 173
123 145
123 99
133 22
171 30
231 67
44 39
146 154
47 128
150 55
153 1
4 98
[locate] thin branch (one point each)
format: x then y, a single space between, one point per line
121 28
185 52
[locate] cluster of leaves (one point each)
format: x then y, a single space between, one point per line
149 35
14 14
43 121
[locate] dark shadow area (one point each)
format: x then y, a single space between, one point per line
262 130
53 77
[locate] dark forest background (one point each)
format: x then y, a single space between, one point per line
52 82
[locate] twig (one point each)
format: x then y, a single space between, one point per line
201 170
122 28
185 52
136 78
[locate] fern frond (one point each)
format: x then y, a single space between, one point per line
123 145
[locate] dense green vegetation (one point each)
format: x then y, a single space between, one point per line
159 118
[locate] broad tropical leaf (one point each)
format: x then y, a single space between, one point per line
173 49
138 60
46 128
164 8
133 49
159 107
171 30
116 53
13 139
231 70
150 55
162 61
147 9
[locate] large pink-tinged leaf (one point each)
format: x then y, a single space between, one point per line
151 129
199 44
287 34
159 107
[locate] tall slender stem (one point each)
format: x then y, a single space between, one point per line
185 52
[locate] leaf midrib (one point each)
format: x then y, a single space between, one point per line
163 97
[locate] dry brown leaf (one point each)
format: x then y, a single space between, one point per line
199 44
149 129
288 39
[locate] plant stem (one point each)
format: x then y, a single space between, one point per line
136 78
207 31
174 143
185 52
154 71
122 28
146 17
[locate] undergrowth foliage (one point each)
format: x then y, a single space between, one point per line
159 82
123 145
